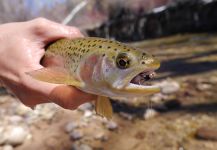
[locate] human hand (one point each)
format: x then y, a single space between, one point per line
22 47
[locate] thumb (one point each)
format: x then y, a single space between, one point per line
49 31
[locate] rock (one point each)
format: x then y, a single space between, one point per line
15 119
207 133
81 147
4 99
7 147
126 115
71 126
15 135
22 110
169 87
203 86
76 135
111 125
85 106
156 98
2 136
101 136
85 147
150 113
88 113
46 111
181 148
213 80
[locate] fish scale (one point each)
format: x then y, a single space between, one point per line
99 66
77 49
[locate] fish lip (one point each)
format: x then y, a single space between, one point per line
147 88
143 88
138 88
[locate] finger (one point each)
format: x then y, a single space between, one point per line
70 97
50 31
41 92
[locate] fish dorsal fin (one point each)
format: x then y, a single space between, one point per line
104 107
55 75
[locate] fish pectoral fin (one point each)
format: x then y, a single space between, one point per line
55 75
104 107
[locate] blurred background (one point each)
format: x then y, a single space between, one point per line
181 33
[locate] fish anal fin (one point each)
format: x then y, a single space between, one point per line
55 75
104 107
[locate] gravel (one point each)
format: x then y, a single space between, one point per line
76 135
111 125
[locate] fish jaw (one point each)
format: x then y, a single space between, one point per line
128 86
140 89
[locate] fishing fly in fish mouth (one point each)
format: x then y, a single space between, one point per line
100 66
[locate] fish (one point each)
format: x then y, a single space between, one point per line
106 68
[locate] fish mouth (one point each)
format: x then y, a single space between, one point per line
143 78
140 84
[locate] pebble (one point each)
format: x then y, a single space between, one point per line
76 135
4 99
85 106
46 111
85 147
126 115
101 136
15 135
71 126
111 125
88 113
81 147
2 137
213 80
22 110
203 86
15 119
7 147
156 98
150 113
169 87
207 133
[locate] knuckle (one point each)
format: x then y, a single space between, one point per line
75 31
40 25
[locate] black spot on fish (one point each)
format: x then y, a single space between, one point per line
115 49
100 46
103 55
93 45
108 47
143 62
143 53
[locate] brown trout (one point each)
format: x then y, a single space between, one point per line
99 66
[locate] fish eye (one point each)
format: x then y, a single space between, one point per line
122 61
